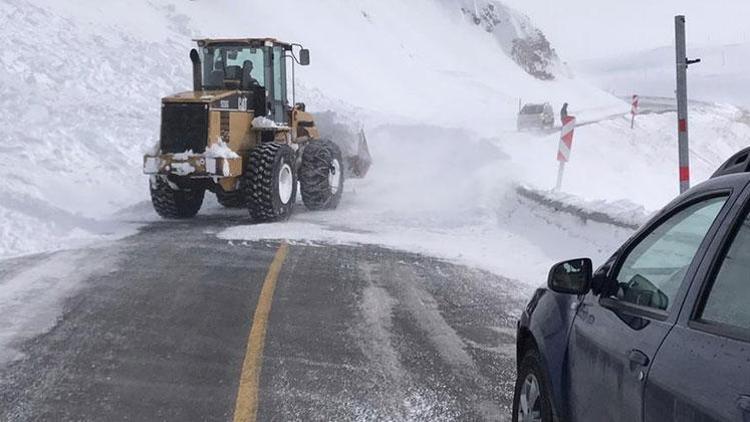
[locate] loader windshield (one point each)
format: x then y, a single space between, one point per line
232 67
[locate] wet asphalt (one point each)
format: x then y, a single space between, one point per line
355 333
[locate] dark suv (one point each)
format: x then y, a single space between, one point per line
535 116
660 332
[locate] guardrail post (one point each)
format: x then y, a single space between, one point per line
682 103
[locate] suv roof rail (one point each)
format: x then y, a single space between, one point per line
739 163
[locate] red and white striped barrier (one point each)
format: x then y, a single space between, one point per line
566 146
633 110
682 130
566 139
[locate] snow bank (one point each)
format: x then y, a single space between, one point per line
610 161
622 213
79 103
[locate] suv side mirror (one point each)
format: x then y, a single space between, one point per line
304 57
571 277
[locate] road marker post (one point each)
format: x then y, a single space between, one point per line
633 111
565 147
682 101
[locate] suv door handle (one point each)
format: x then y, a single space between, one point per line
636 357
743 402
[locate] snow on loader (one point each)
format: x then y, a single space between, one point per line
237 136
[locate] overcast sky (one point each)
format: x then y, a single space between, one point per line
582 29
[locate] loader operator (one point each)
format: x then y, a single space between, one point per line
247 78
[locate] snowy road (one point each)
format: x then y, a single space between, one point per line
160 331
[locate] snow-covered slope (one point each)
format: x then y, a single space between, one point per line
417 61
79 101
516 34
81 83
436 91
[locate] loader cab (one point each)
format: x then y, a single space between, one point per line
258 66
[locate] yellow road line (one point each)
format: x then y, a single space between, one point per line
246 406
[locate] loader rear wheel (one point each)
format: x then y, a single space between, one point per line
321 175
169 202
271 182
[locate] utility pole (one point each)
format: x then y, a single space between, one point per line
682 111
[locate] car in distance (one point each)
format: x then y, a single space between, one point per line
535 116
661 331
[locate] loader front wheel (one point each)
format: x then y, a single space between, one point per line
321 175
170 202
271 182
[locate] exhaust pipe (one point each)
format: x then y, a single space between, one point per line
197 70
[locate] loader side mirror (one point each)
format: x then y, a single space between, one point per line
304 57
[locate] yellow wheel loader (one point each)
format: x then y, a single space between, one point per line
236 135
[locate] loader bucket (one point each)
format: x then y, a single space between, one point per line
359 163
350 138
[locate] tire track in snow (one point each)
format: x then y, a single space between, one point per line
395 292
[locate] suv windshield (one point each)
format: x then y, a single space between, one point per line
232 67
533 109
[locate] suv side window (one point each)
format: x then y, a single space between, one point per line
653 271
728 302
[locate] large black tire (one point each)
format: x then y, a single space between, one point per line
542 408
270 182
321 175
173 203
234 199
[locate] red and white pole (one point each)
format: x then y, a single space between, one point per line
682 101
633 111
566 146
